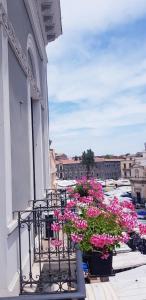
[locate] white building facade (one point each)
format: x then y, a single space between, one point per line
126 165
53 169
138 178
138 182
26 27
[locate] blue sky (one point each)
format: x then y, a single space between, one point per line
97 77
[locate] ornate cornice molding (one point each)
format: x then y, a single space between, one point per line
16 46
31 7
35 93
50 19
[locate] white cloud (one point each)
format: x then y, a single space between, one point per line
100 122
93 16
97 80
100 14
107 84
116 144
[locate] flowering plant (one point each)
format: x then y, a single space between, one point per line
94 223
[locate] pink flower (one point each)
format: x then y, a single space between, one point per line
124 238
61 217
102 240
114 206
87 200
71 204
70 190
105 255
96 194
78 214
142 229
77 238
56 243
56 212
69 215
58 215
76 196
128 221
93 212
82 181
56 227
81 224
128 204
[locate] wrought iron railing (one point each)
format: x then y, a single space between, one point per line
53 264
54 199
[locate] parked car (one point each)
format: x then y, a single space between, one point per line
126 194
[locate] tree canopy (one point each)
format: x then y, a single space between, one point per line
108 156
88 160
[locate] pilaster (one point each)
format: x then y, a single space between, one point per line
5 155
5 134
31 197
46 125
38 149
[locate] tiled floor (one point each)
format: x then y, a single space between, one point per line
118 290
127 285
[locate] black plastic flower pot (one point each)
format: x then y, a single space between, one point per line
97 265
143 246
132 244
85 257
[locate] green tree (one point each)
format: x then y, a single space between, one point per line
108 156
76 158
88 160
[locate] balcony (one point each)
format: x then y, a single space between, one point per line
52 271
141 180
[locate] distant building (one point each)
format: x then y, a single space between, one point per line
103 169
53 169
60 156
138 178
138 182
126 165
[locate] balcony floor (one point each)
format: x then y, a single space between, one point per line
126 285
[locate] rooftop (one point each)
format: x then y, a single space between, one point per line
97 159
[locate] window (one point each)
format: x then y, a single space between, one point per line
136 173
124 166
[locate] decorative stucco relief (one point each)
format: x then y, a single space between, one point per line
16 46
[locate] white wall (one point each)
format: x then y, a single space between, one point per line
15 171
